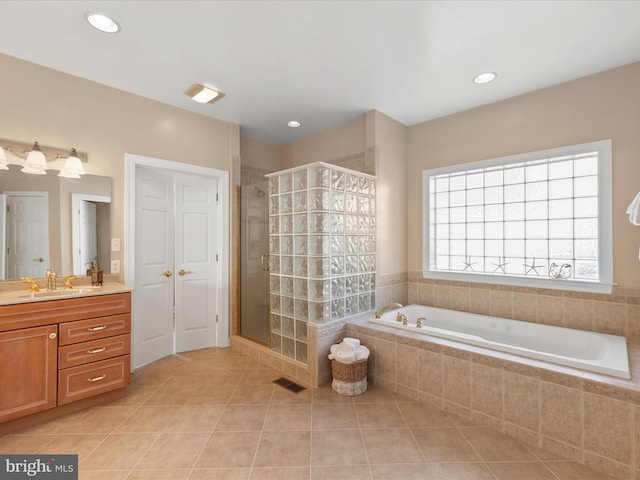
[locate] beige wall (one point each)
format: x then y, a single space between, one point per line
601 106
339 142
388 139
64 111
259 154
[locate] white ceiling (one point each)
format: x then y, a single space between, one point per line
325 63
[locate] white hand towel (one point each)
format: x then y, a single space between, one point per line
633 210
362 353
334 348
352 342
344 356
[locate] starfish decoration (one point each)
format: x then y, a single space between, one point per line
469 265
533 267
500 265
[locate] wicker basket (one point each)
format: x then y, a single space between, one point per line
349 379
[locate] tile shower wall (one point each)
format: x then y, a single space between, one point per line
322 243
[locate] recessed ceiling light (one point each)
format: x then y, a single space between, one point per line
103 23
293 124
202 94
485 77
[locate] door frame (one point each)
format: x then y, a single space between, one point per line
76 198
221 179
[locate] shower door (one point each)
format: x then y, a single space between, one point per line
254 263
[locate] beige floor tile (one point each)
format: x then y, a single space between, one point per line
223 378
325 394
493 446
81 444
53 426
174 451
574 471
288 417
147 419
280 473
242 418
333 416
137 394
27 444
251 394
174 395
102 474
195 418
419 415
337 447
187 378
291 449
374 394
211 395
391 445
229 449
259 376
220 474
444 445
432 471
521 471
379 415
119 451
159 474
100 420
350 472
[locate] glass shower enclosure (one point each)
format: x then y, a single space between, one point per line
254 263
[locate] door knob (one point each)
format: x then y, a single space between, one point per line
38 259
184 272
167 273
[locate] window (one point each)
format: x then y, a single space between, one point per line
540 219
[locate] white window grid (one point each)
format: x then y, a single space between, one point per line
538 219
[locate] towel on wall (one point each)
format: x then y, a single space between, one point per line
633 210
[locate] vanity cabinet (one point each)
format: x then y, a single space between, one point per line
27 371
57 352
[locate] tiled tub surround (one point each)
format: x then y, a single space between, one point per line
590 418
322 247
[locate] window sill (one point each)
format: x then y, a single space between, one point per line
515 281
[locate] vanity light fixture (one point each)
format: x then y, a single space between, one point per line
293 123
103 23
202 94
36 163
37 157
485 77
4 163
73 166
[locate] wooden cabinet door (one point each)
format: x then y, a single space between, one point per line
28 371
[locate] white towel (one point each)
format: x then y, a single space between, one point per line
354 343
633 210
362 353
344 356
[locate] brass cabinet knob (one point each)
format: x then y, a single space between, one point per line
167 273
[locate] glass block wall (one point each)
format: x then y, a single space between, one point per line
322 244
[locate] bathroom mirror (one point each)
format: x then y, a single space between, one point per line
52 222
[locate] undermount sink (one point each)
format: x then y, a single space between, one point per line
60 293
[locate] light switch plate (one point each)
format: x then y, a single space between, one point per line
115 244
115 266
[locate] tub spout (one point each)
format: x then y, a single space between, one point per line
419 322
386 308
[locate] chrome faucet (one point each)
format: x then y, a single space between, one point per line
386 308
51 279
33 286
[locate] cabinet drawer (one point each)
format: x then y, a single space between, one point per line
93 351
93 329
76 383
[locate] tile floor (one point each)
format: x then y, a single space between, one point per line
214 414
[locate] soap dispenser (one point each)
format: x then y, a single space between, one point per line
96 275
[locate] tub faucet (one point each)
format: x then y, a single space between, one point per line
419 322
386 308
